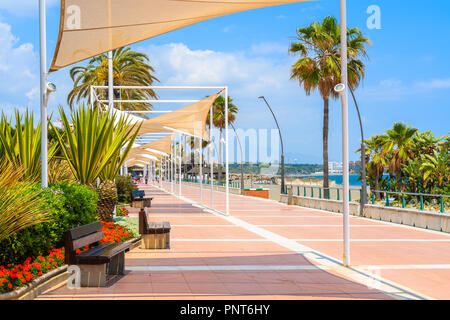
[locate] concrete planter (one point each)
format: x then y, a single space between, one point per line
259 193
411 217
38 286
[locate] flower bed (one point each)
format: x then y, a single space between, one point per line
14 276
122 212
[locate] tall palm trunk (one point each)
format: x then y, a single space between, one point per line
325 147
377 186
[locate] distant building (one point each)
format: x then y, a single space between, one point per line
335 167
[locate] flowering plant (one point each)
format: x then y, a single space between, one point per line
112 232
122 212
15 276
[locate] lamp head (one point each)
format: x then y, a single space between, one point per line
51 87
261 97
339 88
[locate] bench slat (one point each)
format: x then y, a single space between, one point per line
96 250
81 242
82 231
103 256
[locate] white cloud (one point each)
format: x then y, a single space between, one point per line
397 90
435 84
177 64
228 28
265 48
18 64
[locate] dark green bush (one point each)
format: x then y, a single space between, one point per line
70 205
124 187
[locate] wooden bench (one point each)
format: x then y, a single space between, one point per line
101 261
138 199
155 235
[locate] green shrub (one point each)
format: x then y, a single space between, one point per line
124 186
70 205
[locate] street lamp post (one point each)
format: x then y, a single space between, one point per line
43 92
363 151
282 148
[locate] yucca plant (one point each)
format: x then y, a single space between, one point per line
20 204
59 171
92 145
21 146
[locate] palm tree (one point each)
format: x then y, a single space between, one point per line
376 159
399 144
219 122
131 68
436 169
319 48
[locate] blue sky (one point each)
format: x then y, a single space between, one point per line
407 74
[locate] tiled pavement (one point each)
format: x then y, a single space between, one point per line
268 250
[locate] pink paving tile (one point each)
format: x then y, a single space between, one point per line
294 284
382 232
388 253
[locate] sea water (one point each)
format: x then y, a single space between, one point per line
353 179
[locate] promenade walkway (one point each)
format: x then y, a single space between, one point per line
268 250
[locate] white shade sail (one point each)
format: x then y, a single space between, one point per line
189 120
141 152
91 27
162 145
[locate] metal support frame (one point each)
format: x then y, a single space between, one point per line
179 162
211 155
200 150
172 159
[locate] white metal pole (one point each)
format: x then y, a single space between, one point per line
160 173
227 178
176 165
201 169
92 96
43 92
185 156
179 161
171 168
110 80
345 165
211 156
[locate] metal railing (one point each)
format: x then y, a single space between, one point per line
232 184
310 191
403 195
318 192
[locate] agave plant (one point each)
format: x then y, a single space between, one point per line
96 145
21 146
20 205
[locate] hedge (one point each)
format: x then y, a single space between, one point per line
70 204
